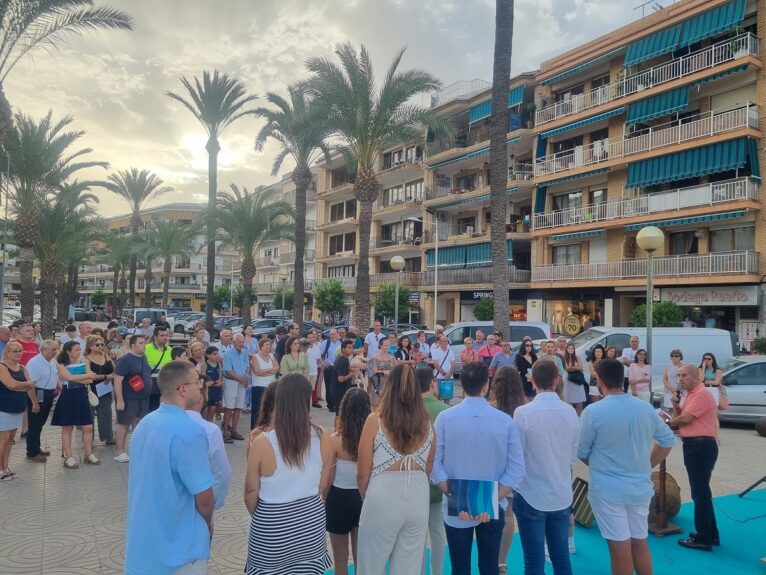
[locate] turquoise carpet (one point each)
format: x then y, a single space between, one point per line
743 544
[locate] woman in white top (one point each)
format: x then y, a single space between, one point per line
287 469
396 454
264 367
670 378
640 377
343 502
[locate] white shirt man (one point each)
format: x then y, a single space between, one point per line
42 370
216 452
224 344
314 352
442 359
372 339
627 357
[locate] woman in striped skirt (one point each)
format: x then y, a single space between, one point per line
287 469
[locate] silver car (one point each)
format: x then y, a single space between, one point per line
745 381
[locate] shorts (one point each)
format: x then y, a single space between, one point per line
134 409
233 394
214 395
342 509
619 522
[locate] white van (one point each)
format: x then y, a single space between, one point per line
517 330
692 341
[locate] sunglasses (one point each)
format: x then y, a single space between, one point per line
674 355
708 358
99 345
528 345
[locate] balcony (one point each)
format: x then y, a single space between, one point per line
521 172
289 257
346 282
710 194
266 262
602 151
715 55
341 222
336 188
449 277
409 201
461 90
311 225
181 287
393 240
713 264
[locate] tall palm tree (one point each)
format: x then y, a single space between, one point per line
40 162
117 252
29 24
298 128
368 119
216 102
170 238
67 226
498 159
136 187
246 221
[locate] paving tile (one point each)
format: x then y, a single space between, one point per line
26 562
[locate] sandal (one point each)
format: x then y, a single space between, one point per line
7 475
92 460
71 463
502 568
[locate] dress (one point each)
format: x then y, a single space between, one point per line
289 365
214 394
523 367
12 403
375 368
72 407
574 392
104 409
287 531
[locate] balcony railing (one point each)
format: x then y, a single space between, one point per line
179 286
699 126
725 51
346 282
521 172
311 225
467 276
289 257
460 90
674 200
410 279
388 241
266 262
404 200
724 263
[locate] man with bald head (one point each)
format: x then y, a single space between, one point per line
696 416
236 368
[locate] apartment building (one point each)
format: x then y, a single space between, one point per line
657 123
188 278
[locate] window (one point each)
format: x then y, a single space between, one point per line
597 197
349 242
336 212
393 196
350 208
567 145
567 94
391 232
346 271
565 255
754 374
735 239
413 191
464 223
336 244
619 341
518 333
456 336
682 243
567 201
600 81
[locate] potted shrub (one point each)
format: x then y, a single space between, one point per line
530 109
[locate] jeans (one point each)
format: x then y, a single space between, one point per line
700 455
535 528
327 373
103 414
154 402
256 393
37 421
488 535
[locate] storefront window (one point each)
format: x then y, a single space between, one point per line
572 317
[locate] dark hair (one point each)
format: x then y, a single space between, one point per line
63 357
544 374
292 419
347 342
425 376
702 363
134 338
507 390
401 341
177 351
289 343
646 357
611 372
158 330
593 353
354 409
570 358
606 351
401 410
281 330
94 331
266 411
473 378
210 350
70 327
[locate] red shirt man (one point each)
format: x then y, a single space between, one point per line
27 341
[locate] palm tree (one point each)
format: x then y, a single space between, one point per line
117 252
136 187
216 102
40 162
298 128
170 239
29 24
498 159
67 226
247 220
368 119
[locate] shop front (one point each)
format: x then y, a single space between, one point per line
570 312
517 304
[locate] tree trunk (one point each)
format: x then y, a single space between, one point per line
26 265
166 267
133 265
115 279
362 295
62 299
498 162
247 296
212 166
123 285
302 178
50 271
148 279
75 282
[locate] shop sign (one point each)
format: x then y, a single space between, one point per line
476 295
414 297
571 325
711 296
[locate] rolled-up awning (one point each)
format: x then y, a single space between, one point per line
659 105
654 45
585 122
688 221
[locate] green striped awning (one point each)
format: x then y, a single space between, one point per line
720 75
475 154
484 109
579 235
654 45
713 22
449 258
660 105
712 159
478 255
581 68
463 201
688 221
584 122
576 177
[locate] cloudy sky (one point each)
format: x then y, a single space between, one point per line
113 83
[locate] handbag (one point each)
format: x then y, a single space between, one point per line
577 377
446 388
723 398
136 383
92 397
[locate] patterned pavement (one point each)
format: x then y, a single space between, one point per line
55 521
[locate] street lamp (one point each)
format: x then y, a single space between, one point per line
397 264
283 278
435 224
650 239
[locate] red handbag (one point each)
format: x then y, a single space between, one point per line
136 383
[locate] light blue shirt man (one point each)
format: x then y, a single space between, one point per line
476 441
168 467
616 436
236 361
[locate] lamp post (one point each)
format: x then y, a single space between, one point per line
397 264
283 278
650 239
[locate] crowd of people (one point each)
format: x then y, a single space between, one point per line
382 482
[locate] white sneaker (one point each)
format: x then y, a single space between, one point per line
547 556
122 458
572 548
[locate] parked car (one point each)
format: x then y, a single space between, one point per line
183 325
278 314
402 327
91 315
745 380
413 334
139 313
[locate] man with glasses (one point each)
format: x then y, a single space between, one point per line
157 354
506 358
372 339
132 387
170 488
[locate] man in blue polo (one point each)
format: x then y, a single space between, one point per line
236 369
170 488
